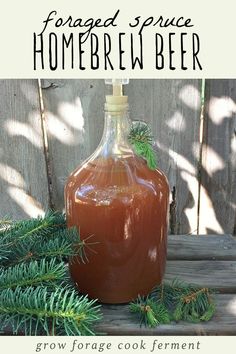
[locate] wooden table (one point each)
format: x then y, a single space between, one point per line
208 261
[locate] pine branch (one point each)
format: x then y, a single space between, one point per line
140 137
38 310
33 274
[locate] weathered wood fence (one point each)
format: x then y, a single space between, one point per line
49 127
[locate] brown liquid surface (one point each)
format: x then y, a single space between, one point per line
124 205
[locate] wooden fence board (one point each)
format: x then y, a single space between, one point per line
218 173
172 108
23 180
74 118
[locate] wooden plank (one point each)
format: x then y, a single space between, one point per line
23 180
202 247
74 113
172 108
118 320
218 173
219 275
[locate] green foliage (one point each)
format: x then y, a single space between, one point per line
140 137
174 301
36 294
194 305
33 274
41 226
151 313
40 238
15 233
61 244
40 311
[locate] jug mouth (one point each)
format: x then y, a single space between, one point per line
116 104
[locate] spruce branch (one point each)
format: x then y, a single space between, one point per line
36 296
26 229
39 310
33 274
62 245
174 301
150 312
140 137
167 293
42 237
194 305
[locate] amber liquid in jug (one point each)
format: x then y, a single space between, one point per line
123 205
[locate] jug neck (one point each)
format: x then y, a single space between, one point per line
115 141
